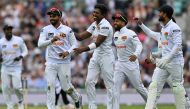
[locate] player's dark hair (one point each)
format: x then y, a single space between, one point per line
173 19
102 8
168 10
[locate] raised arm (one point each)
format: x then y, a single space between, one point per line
100 39
149 32
177 39
82 36
86 34
79 36
43 42
102 35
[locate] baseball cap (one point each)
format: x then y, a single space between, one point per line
54 11
6 26
167 9
120 16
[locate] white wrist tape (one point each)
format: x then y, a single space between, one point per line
92 46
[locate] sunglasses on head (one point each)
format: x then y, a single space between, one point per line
55 9
117 16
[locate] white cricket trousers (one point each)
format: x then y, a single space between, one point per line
63 71
160 76
161 85
11 82
100 66
132 72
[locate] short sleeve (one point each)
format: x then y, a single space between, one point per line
104 30
91 28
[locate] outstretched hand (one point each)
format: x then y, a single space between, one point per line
139 22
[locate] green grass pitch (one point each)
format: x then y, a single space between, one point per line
103 107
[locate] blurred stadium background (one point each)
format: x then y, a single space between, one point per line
29 16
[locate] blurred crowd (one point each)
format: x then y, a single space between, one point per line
29 16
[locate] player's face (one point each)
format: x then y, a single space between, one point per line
54 19
8 33
162 16
118 24
97 15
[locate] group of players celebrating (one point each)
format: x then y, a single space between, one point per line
61 43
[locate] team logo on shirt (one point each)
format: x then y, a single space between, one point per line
165 42
93 28
50 35
15 45
121 46
176 30
124 38
166 35
62 35
105 28
115 38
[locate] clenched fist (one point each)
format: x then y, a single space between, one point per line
64 54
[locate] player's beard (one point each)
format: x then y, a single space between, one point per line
161 19
8 36
117 28
54 22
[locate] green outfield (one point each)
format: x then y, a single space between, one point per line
103 107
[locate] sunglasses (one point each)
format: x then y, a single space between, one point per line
55 10
117 16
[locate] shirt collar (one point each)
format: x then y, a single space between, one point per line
58 26
168 23
123 28
101 22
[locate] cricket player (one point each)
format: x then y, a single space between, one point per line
157 54
102 60
171 62
128 48
59 41
12 49
60 91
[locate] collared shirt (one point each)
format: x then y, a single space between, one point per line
12 49
67 43
103 28
127 44
169 37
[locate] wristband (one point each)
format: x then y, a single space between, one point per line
92 46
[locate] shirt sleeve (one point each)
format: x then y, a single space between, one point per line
91 28
104 30
150 33
43 42
177 40
24 49
72 41
136 42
